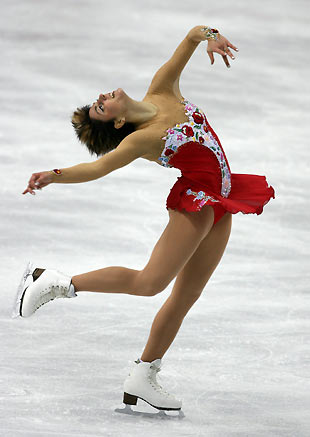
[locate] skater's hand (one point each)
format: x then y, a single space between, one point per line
38 181
222 46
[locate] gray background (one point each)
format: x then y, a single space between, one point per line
241 359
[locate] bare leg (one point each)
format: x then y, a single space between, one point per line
176 245
188 286
108 280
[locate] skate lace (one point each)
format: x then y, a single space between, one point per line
49 294
154 383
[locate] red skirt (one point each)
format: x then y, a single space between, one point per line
248 194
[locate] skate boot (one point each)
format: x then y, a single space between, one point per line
39 286
141 383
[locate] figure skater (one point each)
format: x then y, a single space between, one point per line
167 129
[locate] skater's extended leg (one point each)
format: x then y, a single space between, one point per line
115 279
188 286
176 245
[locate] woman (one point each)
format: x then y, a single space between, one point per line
172 132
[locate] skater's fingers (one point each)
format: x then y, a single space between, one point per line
228 52
36 182
41 183
221 52
232 46
226 61
29 190
34 178
211 56
32 181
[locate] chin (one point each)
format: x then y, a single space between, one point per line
120 92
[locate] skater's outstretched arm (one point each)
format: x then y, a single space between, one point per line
167 77
131 148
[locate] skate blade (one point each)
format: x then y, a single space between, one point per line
162 415
25 281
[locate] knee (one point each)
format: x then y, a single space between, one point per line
153 291
196 296
193 295
147 285
152 288
189 297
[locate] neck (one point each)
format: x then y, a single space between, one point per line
140 112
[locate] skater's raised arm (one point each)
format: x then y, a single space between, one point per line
131 148
167 77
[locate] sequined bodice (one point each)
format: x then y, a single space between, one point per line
196 129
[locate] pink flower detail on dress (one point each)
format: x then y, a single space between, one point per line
189 107
226 183
170 131
179 137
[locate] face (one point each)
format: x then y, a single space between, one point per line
109 106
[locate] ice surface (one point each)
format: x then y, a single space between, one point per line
241 359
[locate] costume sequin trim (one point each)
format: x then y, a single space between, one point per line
196 129
201 197
210 33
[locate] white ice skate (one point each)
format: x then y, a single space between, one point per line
141 383
39 286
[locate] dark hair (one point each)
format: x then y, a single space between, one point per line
100 137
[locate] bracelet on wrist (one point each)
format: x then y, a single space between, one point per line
210 33
57 171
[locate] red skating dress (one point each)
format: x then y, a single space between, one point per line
194 148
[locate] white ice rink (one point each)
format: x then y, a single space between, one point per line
241 361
